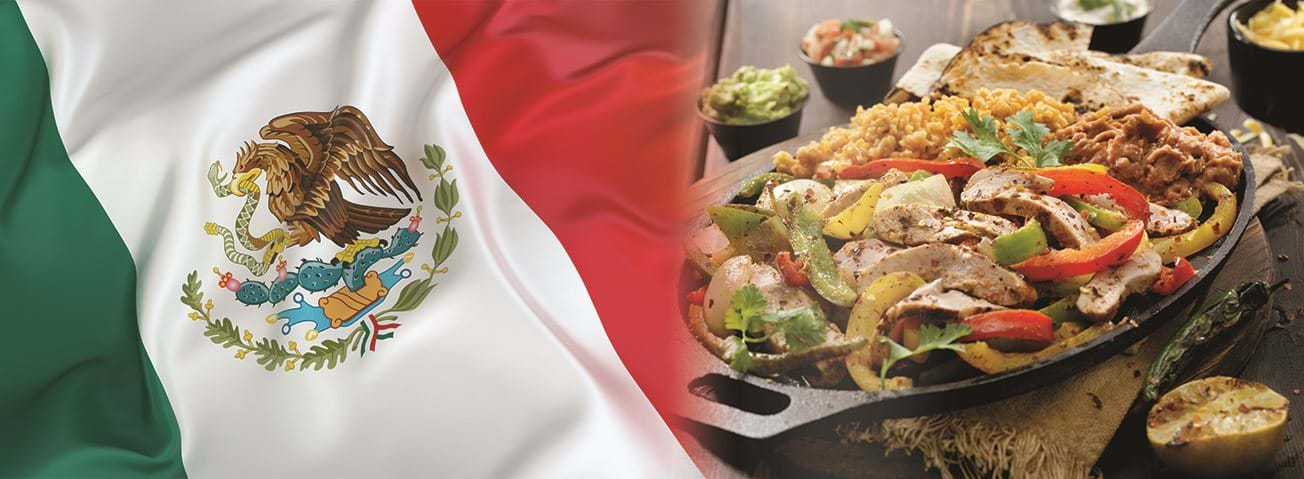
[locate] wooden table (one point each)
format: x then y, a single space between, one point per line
766 33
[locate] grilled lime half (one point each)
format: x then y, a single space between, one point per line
1218 426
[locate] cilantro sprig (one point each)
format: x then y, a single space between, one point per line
984 144
1026 134
930 338
802 328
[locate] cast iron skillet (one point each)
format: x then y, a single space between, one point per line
759 408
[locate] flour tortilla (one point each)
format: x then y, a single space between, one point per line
918 80
1016 37
1052 58
1178 98
1178 63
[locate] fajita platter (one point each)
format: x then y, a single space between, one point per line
1017 210
759 407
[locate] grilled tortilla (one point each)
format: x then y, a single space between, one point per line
1053 58
1177 63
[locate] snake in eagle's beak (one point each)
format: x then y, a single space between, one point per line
241 179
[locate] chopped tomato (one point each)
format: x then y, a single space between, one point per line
957 168
697 296
1112 250
1172 278
1087 181
1015 324
823 172
793 272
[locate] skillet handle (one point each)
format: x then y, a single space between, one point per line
758 409
1181 30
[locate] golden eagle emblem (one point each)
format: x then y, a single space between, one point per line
355 293
304 156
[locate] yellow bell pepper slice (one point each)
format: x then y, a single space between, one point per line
853 221
1097 168
991 361
1218 224
864 322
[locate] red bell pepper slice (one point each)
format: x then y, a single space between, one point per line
1016 324
1082 181
957 168
1172 278
1112 250
697 296
793 272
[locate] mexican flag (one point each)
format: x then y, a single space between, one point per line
342 239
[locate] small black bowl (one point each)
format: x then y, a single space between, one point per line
739 140
856 84
1113 37
1266 82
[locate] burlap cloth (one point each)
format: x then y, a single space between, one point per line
1058 431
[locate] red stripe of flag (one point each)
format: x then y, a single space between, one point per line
586 110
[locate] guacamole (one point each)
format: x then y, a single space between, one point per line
754 95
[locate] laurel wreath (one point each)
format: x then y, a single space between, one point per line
273 355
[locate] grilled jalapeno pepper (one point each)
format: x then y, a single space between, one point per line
1019 245
804 230
1223 312
754 186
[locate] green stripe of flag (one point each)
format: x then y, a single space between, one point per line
78 396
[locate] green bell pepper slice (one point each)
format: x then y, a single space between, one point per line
1066 309
750 231
805 227
1023 243
1106 219
1191 206
734 222
754 186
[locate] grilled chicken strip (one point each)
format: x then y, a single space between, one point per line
994 181
1163 221
1010 192
934 303
916 224
847 192
1166 221
1100 298
740 271
957 268
857 257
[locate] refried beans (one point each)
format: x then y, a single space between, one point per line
1164 161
